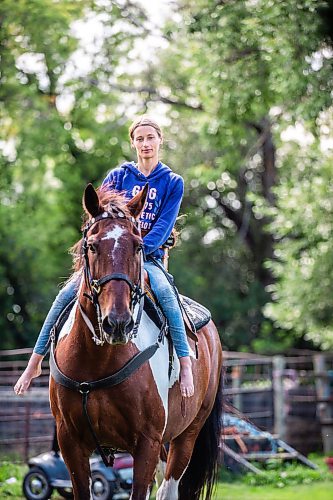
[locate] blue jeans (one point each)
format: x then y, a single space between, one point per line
64 297
165 295
167 299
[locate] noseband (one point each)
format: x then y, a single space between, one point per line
95 285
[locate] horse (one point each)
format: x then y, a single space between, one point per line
143 410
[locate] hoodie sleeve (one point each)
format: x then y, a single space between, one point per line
166 218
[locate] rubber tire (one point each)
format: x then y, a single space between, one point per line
47 489
65 493
108 489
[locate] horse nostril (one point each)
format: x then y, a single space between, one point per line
117 326
109 324
128 325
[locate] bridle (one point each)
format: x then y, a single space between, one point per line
95 285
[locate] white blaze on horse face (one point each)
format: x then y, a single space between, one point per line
115 235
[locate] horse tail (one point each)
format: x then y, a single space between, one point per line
201 474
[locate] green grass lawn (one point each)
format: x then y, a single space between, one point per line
283 483
234 491
239 491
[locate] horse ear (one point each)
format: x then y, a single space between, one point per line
136 204
90 201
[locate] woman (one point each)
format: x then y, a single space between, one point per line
157 221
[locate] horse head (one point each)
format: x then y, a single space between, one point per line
113 259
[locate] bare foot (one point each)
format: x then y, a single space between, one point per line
33 370
186 377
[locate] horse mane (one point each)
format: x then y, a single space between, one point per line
109 200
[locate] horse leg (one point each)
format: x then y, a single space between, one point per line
76 458
193 457
179 456
146 456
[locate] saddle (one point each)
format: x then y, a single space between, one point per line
195 315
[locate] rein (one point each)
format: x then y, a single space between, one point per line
94 286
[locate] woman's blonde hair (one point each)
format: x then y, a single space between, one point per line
145 121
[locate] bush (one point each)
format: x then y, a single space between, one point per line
280 474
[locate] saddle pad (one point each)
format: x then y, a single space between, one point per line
198 314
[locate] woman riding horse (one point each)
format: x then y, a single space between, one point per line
112 383
157 221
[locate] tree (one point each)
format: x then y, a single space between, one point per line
302 224
239 73
62 125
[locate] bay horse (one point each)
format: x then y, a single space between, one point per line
143 410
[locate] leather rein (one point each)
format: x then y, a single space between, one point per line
95 286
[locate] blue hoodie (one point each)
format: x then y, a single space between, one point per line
165 195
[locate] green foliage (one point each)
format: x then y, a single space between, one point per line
240 80
282 474
239 491
245 74
278 478
303 254
61 127
15 472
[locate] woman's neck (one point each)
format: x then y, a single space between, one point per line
147 165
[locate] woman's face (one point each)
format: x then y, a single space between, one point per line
147 142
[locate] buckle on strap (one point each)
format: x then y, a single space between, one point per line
96 287
84 387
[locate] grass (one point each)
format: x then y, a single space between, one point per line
280 481
241 491
277 483
11 476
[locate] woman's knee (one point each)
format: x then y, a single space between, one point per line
161 286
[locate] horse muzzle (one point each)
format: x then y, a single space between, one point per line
117 330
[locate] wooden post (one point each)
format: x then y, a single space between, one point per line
324 408
236 382
279 364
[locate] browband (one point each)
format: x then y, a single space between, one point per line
117 214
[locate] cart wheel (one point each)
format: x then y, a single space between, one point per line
102 489
36 485
65 492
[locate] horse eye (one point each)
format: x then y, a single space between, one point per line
139 248
92 247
